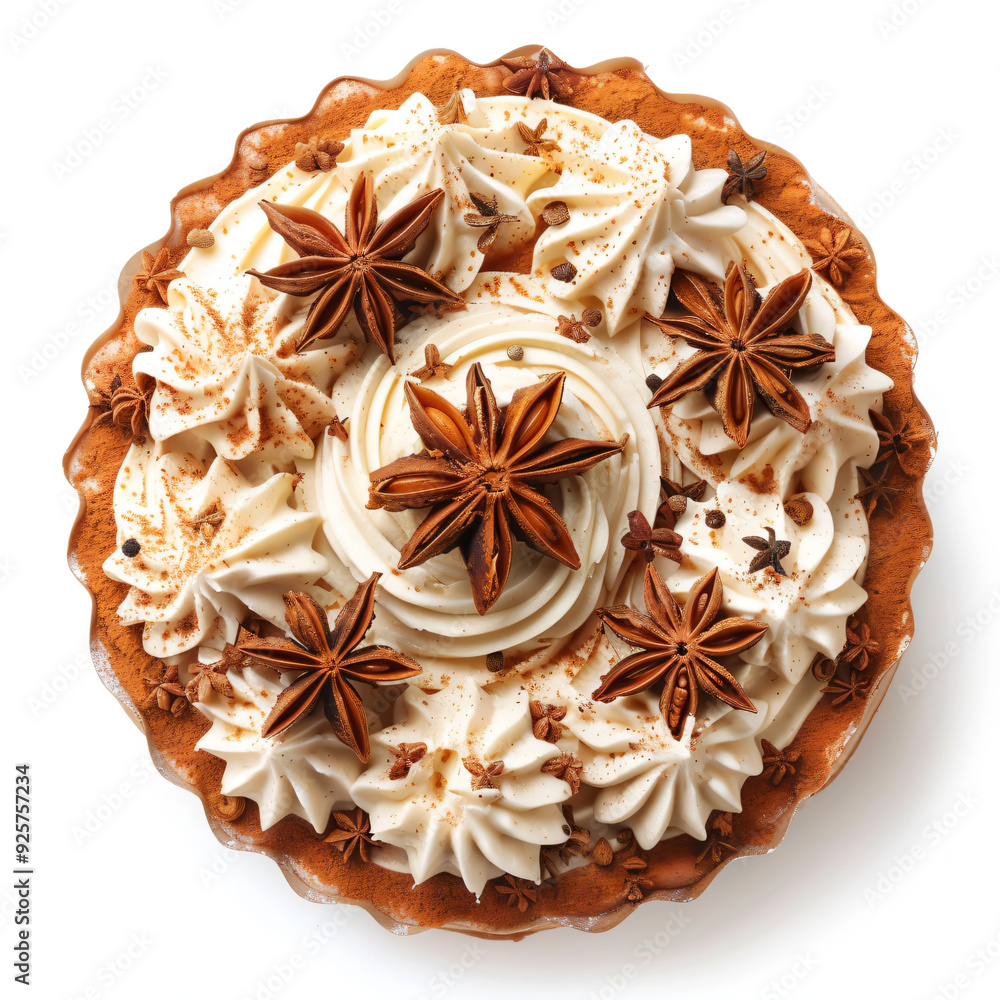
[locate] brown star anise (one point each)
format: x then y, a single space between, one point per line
156 273
576 329
679 647
209 677
545 721
651 542
406 754
488 218
831 254
317 153
673 500
326 659
358 269
860 645
778 764
770 551
744 348
534 138
481 478
847 690
742 175
519 891
128 405
566 766
539 74
874 490
483 775
433 365
720 826
353 832
910 445
165 689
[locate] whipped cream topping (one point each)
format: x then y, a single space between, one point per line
303 771
429 609
650 782
227 373
437 814
212 548
233 387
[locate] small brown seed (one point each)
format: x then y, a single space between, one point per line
202 239
515 352
602 853
715 519
800 510
494 661
563 272
555 213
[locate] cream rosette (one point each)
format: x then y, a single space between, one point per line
303 771
428 609
440 813
823 460
211 548
651 783
227 372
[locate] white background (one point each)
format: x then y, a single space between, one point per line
886 884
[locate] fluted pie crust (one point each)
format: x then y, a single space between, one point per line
594 896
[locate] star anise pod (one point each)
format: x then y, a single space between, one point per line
488 218
577 843
128 405
778 764
832 254
483 775
353 833
209 677
481 478
770 551
433 365
576 329
859 646
165 689
545 721
156 273
744 348
874 490
540 74
716 847
742 175
679 649
910 445
847 690
534 138
651 542
326 659
566 766
673 499
317 153
358 269
519 891
406 754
